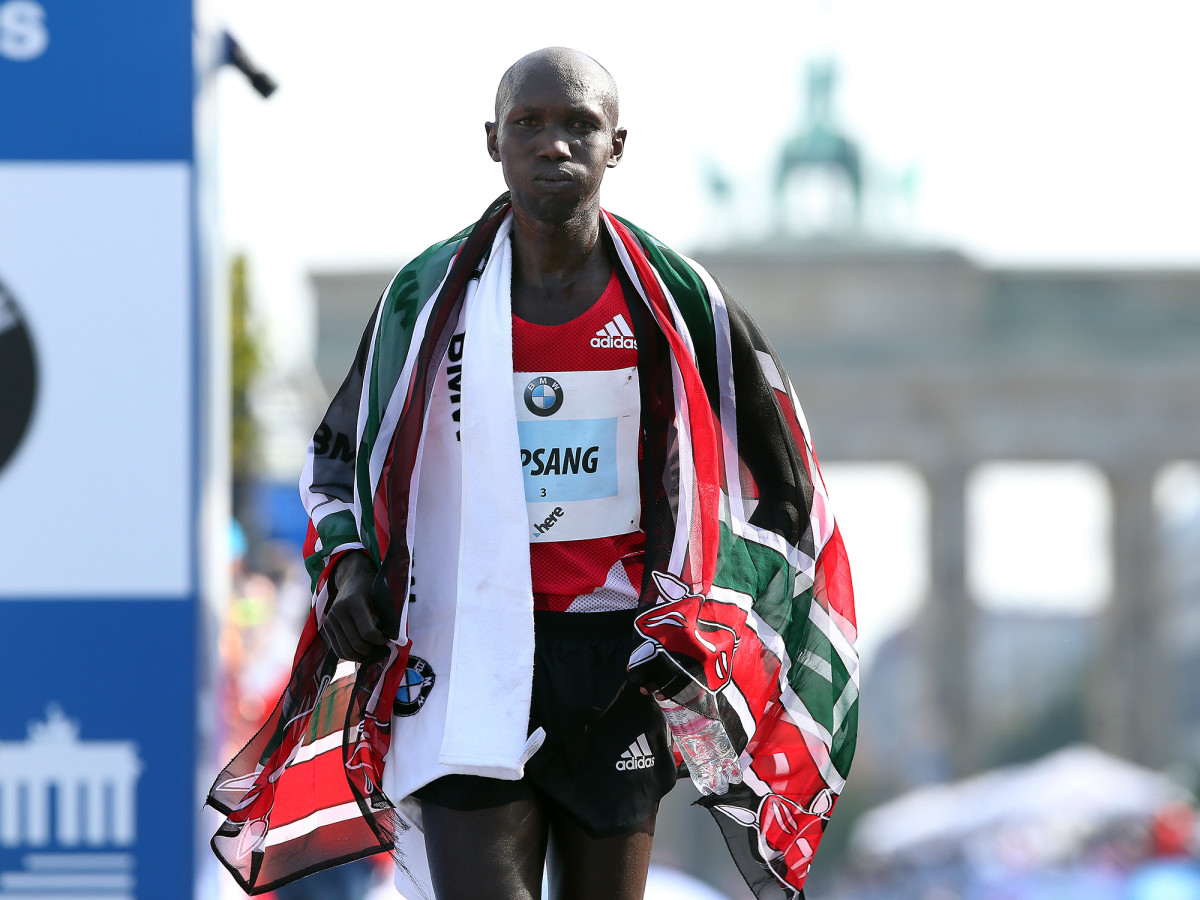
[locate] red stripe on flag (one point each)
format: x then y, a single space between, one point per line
383 522
315 784
706 449
833 586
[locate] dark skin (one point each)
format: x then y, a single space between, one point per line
555 135
350 627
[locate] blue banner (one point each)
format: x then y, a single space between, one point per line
99 442
97 744
82 80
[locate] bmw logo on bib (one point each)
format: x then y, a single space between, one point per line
414 687
543 396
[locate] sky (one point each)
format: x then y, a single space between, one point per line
1029 132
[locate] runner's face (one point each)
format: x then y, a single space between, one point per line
554 141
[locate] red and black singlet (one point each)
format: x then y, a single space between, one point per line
578 412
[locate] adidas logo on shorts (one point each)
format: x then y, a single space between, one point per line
638 756
616 333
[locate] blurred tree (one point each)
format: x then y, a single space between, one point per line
246 362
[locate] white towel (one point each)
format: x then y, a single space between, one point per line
491 676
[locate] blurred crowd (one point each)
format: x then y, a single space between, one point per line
1060 848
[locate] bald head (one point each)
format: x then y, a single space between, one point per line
570 67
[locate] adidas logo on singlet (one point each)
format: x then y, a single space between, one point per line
616 333
638 756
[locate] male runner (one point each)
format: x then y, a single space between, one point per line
561 450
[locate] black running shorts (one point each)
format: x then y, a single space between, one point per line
607 757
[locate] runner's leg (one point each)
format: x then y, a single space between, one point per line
496 852
582 867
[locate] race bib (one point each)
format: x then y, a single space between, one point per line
579 441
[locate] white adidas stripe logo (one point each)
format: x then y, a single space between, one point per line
615 333
638 756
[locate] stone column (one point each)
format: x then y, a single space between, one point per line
948 618
1129 705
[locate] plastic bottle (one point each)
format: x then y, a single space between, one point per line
706 749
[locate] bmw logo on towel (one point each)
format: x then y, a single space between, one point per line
414 687
18 377
543 396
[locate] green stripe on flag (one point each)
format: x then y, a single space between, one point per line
845 716
817 675
845 740
330 714
813 687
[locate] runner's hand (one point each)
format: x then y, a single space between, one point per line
351 628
